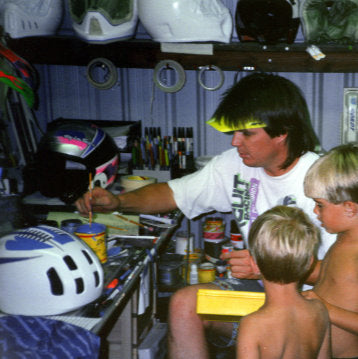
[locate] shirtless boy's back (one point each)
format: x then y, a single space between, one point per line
332 182
286 327
338 285
283 242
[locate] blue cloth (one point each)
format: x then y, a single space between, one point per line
26 337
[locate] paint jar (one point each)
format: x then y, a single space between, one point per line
70 225
184 241
207 272
94 234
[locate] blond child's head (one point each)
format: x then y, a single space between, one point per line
334 176
283 241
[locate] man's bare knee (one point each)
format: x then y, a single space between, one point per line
183 302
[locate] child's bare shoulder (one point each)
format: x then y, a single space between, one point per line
316 310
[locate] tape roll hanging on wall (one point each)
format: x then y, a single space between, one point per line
220 73
102 73
131 182
179 75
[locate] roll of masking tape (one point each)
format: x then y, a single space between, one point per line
179 74
131 182
209 68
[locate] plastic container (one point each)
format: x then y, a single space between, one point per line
227 305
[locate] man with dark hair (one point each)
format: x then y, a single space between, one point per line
273 148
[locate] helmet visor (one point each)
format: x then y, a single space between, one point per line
116 12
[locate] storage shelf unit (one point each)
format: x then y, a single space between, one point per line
146 54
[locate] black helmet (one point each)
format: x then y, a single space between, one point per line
267 21
68 153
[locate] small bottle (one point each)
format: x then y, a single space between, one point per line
194 276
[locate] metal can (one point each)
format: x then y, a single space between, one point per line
214 228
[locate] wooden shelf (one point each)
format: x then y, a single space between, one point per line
146 54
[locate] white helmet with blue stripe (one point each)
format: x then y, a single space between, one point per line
47 271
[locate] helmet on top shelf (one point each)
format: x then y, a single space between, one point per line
269 22
104 21
332 22
47 271
186 20
21 18
68 153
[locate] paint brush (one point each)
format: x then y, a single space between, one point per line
109 226
134 222
121 229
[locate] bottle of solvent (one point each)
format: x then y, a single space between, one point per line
194 276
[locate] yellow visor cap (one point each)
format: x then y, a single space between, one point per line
222 127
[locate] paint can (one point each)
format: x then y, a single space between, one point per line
184 241
212 248
214 228
207 272
169 273
94 234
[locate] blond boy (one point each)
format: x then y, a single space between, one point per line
332 182
283 243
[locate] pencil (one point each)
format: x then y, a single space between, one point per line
134 222
90 191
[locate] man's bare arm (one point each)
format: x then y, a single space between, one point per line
154 198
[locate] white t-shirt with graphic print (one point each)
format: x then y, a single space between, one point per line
226 184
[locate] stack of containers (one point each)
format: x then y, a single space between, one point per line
214 237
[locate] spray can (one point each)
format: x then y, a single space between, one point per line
235 235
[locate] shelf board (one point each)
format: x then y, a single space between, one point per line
146 54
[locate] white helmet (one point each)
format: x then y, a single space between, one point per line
21 18
47 271
104 21
186 20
